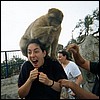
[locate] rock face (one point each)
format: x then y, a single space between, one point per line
89 49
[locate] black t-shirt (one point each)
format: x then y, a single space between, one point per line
94 68
52 69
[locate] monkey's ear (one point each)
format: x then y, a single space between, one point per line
52 10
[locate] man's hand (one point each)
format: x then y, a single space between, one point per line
74 48
44 79
33 74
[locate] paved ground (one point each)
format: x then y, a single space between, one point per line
9 88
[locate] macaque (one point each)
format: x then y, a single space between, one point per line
47 29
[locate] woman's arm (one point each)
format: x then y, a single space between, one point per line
79 80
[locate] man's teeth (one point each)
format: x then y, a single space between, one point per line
34 60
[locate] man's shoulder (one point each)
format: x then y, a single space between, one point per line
26 63
51 60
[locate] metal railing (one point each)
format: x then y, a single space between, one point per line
11 62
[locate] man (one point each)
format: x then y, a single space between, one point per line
39 75
88 65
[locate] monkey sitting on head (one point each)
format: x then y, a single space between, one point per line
47 29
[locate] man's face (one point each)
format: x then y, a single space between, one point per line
36 55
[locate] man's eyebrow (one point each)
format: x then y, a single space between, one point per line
34 49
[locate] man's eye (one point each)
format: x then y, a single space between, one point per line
29 52
36 51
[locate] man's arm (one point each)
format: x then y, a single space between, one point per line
79 60
79 92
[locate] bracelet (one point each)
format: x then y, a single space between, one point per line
51 84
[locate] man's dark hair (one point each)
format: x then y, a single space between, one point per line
42 46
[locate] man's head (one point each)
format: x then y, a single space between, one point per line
36 52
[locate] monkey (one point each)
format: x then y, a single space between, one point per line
47 29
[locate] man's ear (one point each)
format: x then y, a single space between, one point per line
45 53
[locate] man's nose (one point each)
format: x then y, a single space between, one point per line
33 54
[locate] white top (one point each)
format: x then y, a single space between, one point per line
72 71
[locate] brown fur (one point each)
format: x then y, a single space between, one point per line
47 29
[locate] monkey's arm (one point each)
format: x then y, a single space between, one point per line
55 43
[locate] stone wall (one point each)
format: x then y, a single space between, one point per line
9 88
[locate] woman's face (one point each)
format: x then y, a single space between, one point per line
35 55
61 58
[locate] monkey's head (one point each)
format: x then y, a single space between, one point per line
55 17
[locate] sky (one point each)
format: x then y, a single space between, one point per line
16 16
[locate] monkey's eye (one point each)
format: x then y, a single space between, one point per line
54 20
50 18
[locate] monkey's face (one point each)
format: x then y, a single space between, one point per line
53 20
55 17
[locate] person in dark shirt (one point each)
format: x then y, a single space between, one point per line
93 67
38 78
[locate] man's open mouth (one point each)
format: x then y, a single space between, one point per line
35 61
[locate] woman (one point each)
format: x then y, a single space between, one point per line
39 75
71 69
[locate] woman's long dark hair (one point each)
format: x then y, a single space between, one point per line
65 53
